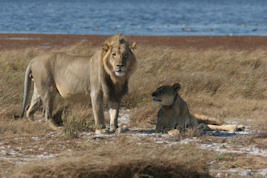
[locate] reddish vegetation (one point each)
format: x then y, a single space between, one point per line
19 41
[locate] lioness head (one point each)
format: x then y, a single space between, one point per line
119 59
165 95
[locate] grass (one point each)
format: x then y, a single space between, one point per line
224 156
74 126
216 82
227 84
217 77
122 159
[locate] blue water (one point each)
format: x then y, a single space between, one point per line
135 17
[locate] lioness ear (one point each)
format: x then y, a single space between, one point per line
133 46
105 47
176 86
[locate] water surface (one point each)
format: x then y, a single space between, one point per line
139 17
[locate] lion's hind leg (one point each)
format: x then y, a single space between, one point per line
48 102
36 102
229 128
215 124
208 120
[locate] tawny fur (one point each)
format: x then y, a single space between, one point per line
174 113
78 78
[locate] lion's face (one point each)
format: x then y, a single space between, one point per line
120 59
165 95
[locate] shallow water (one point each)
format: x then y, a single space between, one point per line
140 17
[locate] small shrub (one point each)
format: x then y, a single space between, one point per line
73 126
140 100
224 156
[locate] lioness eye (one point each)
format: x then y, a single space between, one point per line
114 55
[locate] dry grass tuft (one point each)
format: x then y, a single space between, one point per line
123 160
11 126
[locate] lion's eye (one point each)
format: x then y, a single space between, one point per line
126 56
161 89
114 54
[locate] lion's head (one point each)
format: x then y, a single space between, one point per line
165 95
119 60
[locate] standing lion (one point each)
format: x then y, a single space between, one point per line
78 78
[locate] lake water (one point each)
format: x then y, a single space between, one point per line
135 17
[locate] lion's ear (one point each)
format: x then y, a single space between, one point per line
176 86
133 46
105 47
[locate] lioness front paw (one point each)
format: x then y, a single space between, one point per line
122 130
174 132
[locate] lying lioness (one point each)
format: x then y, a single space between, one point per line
174 113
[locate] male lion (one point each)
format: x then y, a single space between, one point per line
77 78
174 113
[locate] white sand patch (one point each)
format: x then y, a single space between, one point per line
124 116
238 172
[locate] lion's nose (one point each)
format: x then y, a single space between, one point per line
120 66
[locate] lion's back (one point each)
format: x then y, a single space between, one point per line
67 74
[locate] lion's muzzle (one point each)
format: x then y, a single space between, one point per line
154 94
155 98
119 72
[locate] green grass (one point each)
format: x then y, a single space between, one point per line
74 125
225 157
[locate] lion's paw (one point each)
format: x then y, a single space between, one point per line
174 132
101 131
122 130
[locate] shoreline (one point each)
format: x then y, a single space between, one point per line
9 41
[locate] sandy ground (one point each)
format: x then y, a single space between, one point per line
16 150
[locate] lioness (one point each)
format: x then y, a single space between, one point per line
77 78
174 113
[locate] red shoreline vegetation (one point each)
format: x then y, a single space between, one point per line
22 41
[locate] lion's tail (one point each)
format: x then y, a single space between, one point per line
208 120
27 85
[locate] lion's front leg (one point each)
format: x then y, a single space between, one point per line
159 126
97 105
114 114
